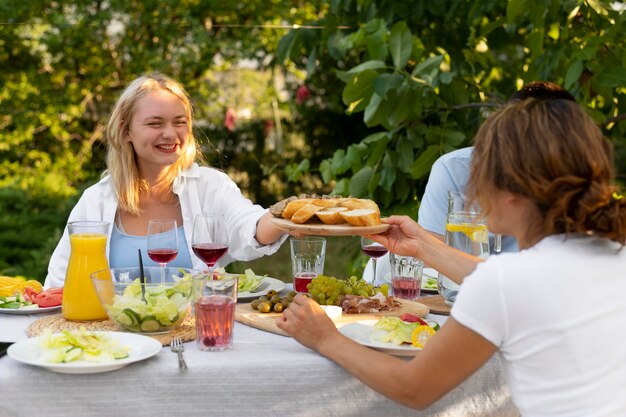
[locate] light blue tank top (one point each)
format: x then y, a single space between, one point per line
123 250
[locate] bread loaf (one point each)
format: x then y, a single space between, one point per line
331 215
294 206
359 203
305 213
361 217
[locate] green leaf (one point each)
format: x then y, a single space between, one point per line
388 173
453 137
346 76
535 42
377 151
405 154
424 162
385 82
337 161
356 95
375 137
360 180
375 112
401 188
286 44
353 158
342 187
400 44
407 102
326 171
514 9
311 63
573 74
294 172
429 66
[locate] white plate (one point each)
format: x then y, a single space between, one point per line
141 347
26 311
426 274
360 332
275 284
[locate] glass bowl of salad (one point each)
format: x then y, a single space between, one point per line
148 305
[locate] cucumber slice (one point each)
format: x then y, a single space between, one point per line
433 324
128 318
150 324
73 354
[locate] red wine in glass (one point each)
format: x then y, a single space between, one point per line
374 251
210 253
162 242
162 256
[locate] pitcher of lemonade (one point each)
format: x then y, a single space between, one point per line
88 241
466 230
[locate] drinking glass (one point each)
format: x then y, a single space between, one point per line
215 311
374 250
406 276
209 241
162 242
307 261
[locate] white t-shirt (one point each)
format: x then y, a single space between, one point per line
557 313
200 190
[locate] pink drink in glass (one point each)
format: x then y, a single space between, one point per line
301 280
405 287
214 322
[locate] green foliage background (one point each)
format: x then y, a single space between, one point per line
393 84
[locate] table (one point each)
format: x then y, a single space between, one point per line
264 374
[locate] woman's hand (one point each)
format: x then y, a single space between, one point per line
306 322
405 237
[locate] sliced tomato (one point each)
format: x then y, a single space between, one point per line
412 318
49 298
29 294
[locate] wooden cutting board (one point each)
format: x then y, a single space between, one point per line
321 229
267 321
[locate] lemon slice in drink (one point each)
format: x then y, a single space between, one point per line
476 232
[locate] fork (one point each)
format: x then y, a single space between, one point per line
260 287
177 347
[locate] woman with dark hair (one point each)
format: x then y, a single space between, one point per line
554 312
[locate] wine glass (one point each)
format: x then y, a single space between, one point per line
209 241
162 242
374 250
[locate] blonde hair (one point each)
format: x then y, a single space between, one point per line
551 152
121 159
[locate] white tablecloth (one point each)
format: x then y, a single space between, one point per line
264 374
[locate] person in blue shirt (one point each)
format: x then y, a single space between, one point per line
450 173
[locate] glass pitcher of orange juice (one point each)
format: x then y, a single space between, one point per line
88 241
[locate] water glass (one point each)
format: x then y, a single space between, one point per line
307 261
406 276
214 306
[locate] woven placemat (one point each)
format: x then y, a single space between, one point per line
56 323
436 304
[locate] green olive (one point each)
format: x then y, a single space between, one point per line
255 304
263 298
275 298
291 294
270 294
265 307
278 307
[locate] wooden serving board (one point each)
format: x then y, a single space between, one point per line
245 314
321 229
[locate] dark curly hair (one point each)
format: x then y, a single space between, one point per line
551 152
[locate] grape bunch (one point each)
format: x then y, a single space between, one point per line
326 290
330 290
